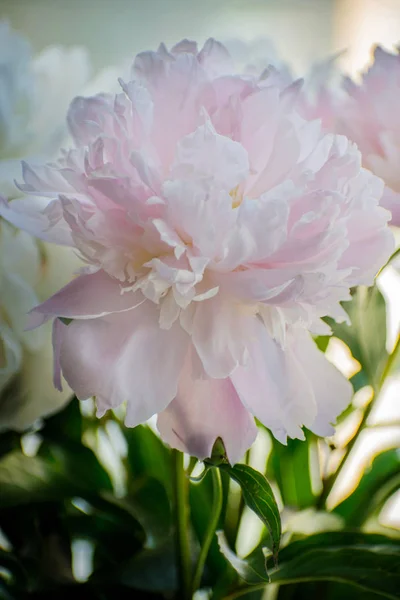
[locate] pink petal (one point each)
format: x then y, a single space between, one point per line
86 297
124 357
202 411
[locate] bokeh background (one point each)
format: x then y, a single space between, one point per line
302 32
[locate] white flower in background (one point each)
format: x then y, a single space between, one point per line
19 271
35 93
34 96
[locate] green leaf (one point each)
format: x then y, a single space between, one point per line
64 425
369 562
26 479
151 570
115 533
322 342
289 466
148 502
252 569
148 456
78 465
366 336
377 483
56 475
259 497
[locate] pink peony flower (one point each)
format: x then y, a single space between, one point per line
369 116
217 227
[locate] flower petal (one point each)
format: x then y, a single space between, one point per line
219 334
124 357
332 391
28 214
202 411
86 297
279 396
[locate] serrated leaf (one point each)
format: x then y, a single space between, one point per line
259 497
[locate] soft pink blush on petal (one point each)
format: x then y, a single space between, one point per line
124 357
211 216
202 411
86 297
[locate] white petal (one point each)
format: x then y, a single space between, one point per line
331 389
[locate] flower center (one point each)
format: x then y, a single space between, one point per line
237 197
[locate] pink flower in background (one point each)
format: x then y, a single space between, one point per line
370 117
217 227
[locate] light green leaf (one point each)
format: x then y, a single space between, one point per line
289 466
366 336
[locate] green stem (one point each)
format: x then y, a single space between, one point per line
181 488
212 526
363 424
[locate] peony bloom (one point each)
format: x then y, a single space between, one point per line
369 116
217 227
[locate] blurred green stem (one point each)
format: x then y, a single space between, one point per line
181 488
212 526
377 389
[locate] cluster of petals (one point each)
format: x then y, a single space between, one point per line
217 227
368 114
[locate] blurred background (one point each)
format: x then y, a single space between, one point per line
302 32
